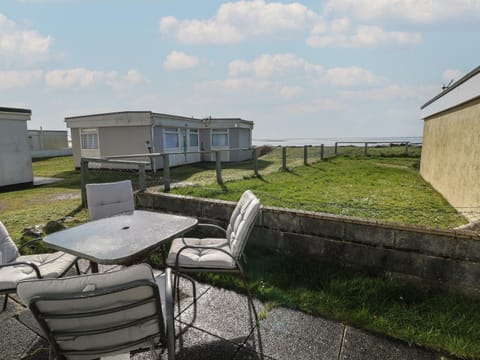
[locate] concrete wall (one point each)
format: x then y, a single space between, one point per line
451 156
15 158
447 259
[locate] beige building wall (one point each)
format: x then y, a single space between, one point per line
451 156
123 140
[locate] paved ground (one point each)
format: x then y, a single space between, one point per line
222 328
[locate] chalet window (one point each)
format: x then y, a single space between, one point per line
89 139
193 138
219 137
171 138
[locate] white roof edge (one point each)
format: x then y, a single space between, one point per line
141 118
465 89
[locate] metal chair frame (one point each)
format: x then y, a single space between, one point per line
238 269
166 338
38 274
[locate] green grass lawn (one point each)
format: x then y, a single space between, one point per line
376 187
350 185
439 321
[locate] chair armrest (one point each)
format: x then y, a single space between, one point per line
32 265
213 226
29 243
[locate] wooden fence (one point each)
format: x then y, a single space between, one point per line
293 154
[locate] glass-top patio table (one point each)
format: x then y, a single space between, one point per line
121 239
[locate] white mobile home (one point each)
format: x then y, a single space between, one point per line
190 140
46 143
15 158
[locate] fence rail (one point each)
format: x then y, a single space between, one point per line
367 144
296 156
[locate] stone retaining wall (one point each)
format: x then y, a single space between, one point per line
449 259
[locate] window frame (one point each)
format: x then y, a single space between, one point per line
195 133
168 131
223 132
85 135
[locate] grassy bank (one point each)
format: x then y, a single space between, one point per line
375 187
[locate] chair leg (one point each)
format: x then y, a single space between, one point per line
176 288
249 295
5 301
176 284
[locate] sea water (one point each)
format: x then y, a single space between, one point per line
332 141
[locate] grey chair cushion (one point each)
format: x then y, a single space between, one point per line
201 258
108 199
8 249
242 222
50 265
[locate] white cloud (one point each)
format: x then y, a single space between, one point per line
235 85
291 68
389 92
76 77
364 36
236 21
180 61
352 76
21 46
15 79
246 87
290 92
132 78
418 11
67 78
316 106
452 74
274 65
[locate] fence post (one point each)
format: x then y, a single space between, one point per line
305 154
284 157
322 152
141 177
366 148
166 172
84 180
336 145
406 148
218 166
255 161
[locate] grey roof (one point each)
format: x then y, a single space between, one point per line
453 86
15 110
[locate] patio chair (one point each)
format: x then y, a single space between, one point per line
15 268
108 199
218 254
105 314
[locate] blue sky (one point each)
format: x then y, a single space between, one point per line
333 68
